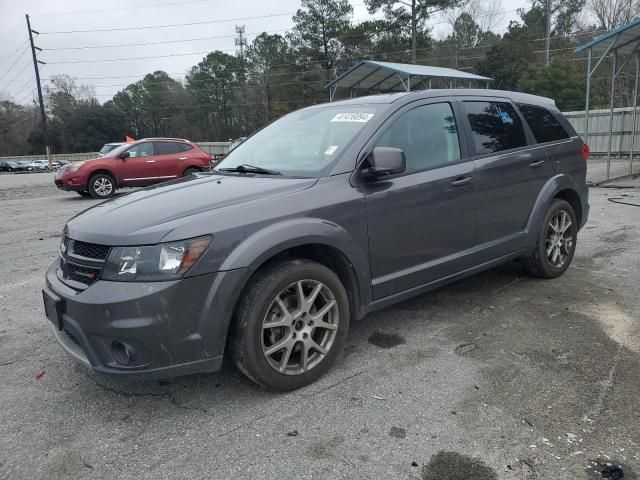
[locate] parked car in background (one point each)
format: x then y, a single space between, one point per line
134 164
236 143
11 166
42 165
108 147
325 215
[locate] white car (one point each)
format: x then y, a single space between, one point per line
42 166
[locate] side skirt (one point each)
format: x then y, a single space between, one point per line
398 297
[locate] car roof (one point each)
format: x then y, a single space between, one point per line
166 139
389 98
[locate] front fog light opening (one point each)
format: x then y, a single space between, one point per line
123 353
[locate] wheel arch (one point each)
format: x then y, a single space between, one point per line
560 186
103 171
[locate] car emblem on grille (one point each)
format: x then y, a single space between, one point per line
87 275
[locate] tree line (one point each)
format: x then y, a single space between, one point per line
226 96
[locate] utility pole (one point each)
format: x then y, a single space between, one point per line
42 112
241 40
547 32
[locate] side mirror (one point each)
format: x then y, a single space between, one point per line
385 161
124 155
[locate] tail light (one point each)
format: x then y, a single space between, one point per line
584 151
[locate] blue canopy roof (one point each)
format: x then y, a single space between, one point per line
626 38
386 76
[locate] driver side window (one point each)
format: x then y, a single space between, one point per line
427 135
141 150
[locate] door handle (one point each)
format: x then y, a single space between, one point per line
461 181
537 164
182 158
151 161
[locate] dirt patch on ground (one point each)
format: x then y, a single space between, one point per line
454 466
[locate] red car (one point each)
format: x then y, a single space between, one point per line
136 164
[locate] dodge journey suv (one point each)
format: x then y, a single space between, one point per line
135 164
325 215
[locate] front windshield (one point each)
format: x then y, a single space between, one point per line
115 151
306 143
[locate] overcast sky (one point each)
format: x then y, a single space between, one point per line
218 18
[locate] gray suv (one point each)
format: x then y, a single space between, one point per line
325 215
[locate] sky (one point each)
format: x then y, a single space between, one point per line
76 54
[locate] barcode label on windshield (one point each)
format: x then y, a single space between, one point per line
352 117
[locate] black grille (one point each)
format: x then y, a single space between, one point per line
78 273
90 250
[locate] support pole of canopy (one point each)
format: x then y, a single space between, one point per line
611 104
635 109
588 96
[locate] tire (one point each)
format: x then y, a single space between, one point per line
83 193
191 171
101 185
255 349
547 261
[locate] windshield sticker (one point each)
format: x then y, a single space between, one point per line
331 149
504 116
353 117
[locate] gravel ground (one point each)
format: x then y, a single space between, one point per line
497 376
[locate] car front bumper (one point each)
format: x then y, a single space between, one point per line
153 329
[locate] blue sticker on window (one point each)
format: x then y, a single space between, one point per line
504 116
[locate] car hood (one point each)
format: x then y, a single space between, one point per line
148 215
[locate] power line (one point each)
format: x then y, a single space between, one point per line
14 63
153 5
118 29
16 77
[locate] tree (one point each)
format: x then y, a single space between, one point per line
77 121
270 63
562 81
416 12
215 86
509 59
317 28
486 14
153 106
16 122
563 14
613 13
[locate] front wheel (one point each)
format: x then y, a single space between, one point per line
556 243
190 171
291 325
101 185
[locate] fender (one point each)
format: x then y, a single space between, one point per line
278 237
554 185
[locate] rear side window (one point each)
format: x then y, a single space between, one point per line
184 147
544 125
165 148
495 125
427 135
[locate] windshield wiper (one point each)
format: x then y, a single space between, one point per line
246 168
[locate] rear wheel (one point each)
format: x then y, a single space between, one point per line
291 325
190 171
556 243
101 185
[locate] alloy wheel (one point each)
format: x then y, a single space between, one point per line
559 238
300 327
103 186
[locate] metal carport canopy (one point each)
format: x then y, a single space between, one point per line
371 75
624 40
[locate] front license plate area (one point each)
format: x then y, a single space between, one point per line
53 308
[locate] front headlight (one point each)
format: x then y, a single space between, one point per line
166 261
76 165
